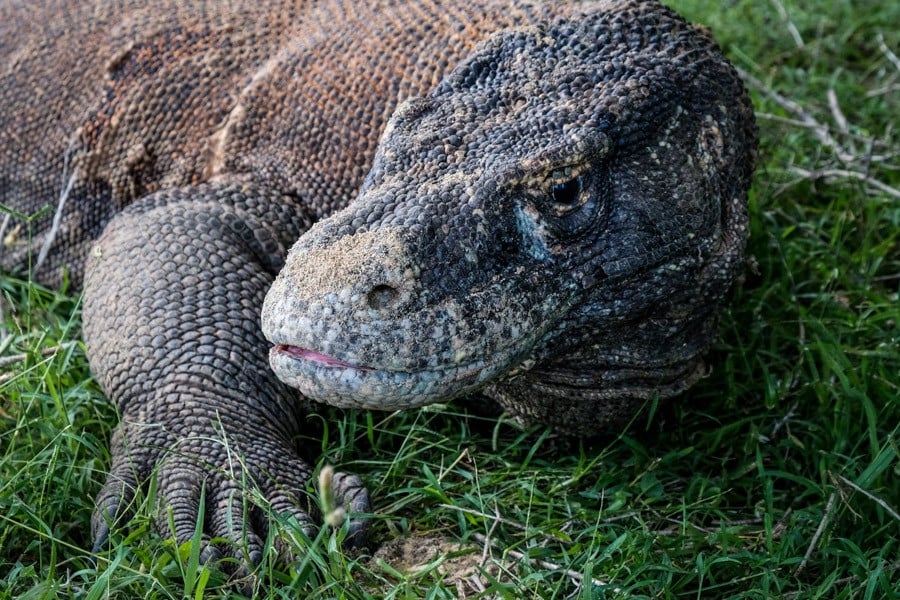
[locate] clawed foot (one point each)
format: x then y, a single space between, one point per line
226 485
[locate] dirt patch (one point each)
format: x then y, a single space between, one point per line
457 563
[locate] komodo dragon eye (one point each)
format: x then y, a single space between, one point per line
570 198
566 189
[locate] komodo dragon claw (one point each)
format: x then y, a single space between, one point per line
231 494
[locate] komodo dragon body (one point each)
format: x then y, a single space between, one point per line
541 201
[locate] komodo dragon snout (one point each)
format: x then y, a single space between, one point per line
401 316
546 224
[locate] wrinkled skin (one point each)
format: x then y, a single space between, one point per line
552 215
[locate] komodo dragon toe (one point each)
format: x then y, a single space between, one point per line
229 485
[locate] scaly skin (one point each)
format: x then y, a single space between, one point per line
552 215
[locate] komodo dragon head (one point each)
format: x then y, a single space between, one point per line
556 224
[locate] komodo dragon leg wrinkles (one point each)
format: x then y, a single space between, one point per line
189 328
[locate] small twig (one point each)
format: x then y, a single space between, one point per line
844 496
736 522
462 455
783 420
847 174
839 119
485 551
792 29
874 142
781 524
679 525
888 89
887 52
549 565
818 129
475 581
826 517
17 358
485 515
871 497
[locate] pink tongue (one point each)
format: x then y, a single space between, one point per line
311 355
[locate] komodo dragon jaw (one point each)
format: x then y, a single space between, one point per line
370 335
541 208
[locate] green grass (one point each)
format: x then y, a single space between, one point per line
777 476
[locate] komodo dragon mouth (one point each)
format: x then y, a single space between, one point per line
339 383
317 358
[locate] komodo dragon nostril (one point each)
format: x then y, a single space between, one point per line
382 296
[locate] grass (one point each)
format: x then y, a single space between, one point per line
777 476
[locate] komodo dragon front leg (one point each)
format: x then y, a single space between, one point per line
171 322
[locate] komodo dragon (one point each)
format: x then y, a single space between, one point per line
542 201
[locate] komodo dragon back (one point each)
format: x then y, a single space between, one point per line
541 201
